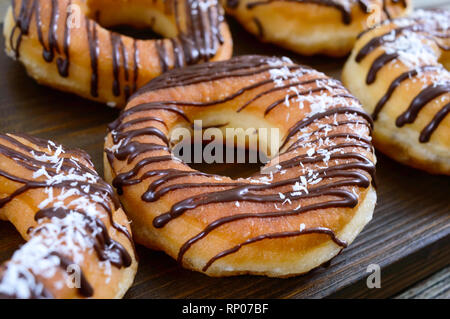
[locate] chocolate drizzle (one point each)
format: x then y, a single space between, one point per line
39 291
198 40
428 94
425 135
350 169
424 28
66 173
28 9
318 230
378 64
344 9
85 288
91 31
106 248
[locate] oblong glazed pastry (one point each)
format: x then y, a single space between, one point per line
313 26
399 71
62 44
316 198
78 237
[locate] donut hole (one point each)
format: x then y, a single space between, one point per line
149 21
223 144
136 33
245 162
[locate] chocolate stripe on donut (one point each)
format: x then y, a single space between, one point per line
426 96
421 26
70 166
91 30
344 7
301 140
37 291
278 89
29 9
318 230
238 67
63 63
244 193
64 177
117 51
106 248
85 288
198 39
334 170
396 83
425 135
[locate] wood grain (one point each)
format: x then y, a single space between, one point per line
409 237
434 287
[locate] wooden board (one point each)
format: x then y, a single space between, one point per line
409 237
434 287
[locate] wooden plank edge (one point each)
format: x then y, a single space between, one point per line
435 287
402 273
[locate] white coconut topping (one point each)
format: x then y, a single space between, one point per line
65 236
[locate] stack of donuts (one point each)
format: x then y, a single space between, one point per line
308 203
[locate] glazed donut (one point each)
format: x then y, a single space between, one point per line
61 43
78 238
399 71
313 26
311 200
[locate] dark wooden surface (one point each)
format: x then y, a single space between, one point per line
409 236
435 287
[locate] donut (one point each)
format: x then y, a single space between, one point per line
399 71
313 27
306 205
78 237
62 44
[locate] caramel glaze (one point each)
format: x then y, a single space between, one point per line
428 94
117 254
343 9
198 40
351 173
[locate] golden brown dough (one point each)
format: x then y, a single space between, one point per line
312 204
61 43
78 237
399 71
313 26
